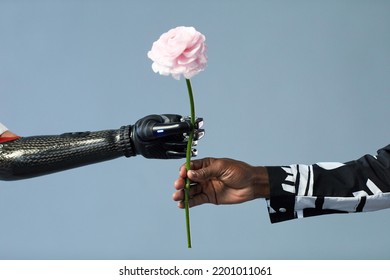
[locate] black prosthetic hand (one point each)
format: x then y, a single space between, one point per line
162 137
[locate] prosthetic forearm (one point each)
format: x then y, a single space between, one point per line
39 155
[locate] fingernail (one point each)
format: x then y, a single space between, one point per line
193 174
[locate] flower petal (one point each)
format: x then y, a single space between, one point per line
180 51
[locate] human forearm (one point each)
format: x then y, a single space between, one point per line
260 182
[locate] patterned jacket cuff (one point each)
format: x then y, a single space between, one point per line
281 202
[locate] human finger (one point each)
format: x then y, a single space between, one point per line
179 184
195 200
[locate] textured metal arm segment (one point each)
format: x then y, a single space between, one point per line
28 157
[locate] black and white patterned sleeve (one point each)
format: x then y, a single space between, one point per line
299 191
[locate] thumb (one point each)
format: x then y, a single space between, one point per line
203 174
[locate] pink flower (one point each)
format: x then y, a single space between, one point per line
179 51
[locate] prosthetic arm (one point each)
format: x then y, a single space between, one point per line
154 136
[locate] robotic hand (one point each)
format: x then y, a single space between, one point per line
164 136
154 136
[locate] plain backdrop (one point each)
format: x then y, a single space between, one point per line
286 82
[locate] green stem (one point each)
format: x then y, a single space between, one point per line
188 162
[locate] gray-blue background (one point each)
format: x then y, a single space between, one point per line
287 82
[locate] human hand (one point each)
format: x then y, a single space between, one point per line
221 181
164 136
